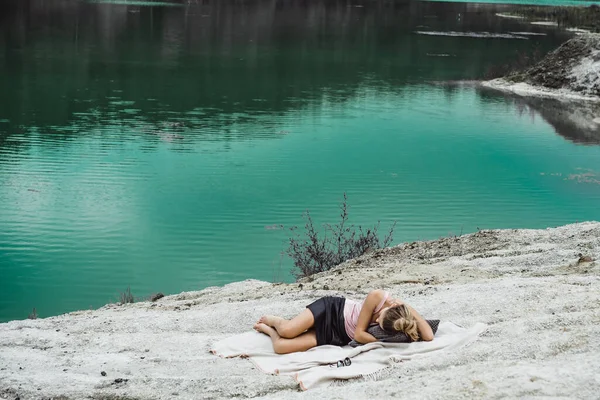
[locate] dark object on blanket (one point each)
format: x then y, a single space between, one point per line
399 337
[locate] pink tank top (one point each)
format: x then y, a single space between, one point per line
352 311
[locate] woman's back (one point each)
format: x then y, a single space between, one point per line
352 311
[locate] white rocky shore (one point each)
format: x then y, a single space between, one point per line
539 291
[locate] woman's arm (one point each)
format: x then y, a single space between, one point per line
425 332
366 314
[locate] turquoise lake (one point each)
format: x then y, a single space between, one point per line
161 147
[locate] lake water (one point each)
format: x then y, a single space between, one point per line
159 147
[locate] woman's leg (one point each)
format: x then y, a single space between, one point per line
292 328
281 345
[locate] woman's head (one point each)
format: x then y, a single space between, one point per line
399 319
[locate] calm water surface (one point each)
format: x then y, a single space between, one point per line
158 147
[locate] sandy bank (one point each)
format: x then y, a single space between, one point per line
541 301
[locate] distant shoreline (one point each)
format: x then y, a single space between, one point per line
579 18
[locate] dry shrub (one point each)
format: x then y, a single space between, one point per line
314 252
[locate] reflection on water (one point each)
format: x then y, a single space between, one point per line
576 121
64 58
167 148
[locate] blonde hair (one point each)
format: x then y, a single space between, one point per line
400 319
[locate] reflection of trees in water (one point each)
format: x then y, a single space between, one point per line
573 120
68 58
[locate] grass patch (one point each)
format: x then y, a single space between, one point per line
33 314
126 297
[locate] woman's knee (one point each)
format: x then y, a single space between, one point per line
286 330
296 326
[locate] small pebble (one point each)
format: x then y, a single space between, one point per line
103 373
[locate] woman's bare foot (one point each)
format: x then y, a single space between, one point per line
270 320
263 328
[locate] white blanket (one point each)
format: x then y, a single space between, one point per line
313 368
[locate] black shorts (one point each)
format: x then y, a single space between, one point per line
329 321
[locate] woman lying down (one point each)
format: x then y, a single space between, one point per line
337 321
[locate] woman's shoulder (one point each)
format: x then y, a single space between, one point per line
377 296
379 293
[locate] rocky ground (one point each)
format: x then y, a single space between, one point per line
575 66
571 72
539 291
